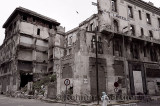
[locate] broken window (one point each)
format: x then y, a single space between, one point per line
148 18
114 5
151 34
159 22
132 29
142 32
130 12
115 23
117 48
93 44
24 17
140 14
100 48
38 31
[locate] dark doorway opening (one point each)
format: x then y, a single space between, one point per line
25 78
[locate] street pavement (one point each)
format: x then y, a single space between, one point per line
7 101
152 103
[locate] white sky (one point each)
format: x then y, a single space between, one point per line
64 11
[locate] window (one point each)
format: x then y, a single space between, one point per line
24 17
70 40
38 31
130 12
115 23
114 5
148 18
117 48
134 50
150 34
132 30
140 15
159 22
93 44
142 32
91 27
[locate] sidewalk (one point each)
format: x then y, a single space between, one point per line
113 103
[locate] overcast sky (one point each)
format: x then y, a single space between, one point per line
64 11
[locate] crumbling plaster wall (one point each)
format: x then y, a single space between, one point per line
122 10
81 80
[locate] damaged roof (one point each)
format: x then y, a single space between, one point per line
29 12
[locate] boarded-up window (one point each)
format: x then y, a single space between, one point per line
119 68
67 71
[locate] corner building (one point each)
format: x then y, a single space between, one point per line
128 50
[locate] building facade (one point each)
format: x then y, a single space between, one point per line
128 47
128 50
24 52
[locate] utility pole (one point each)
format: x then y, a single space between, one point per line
124 59
97 31
96 41
97 80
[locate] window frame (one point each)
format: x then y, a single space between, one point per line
130 12
148 18
140 14
133 31
142 31
38 31
114 4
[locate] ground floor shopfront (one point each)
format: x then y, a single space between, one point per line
144 78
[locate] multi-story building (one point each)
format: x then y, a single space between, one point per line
128 35
24 52
128 50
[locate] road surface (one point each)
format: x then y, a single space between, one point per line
7 101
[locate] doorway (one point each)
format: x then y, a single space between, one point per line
25 78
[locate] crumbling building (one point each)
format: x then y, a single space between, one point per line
128 35
24 52
128 50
